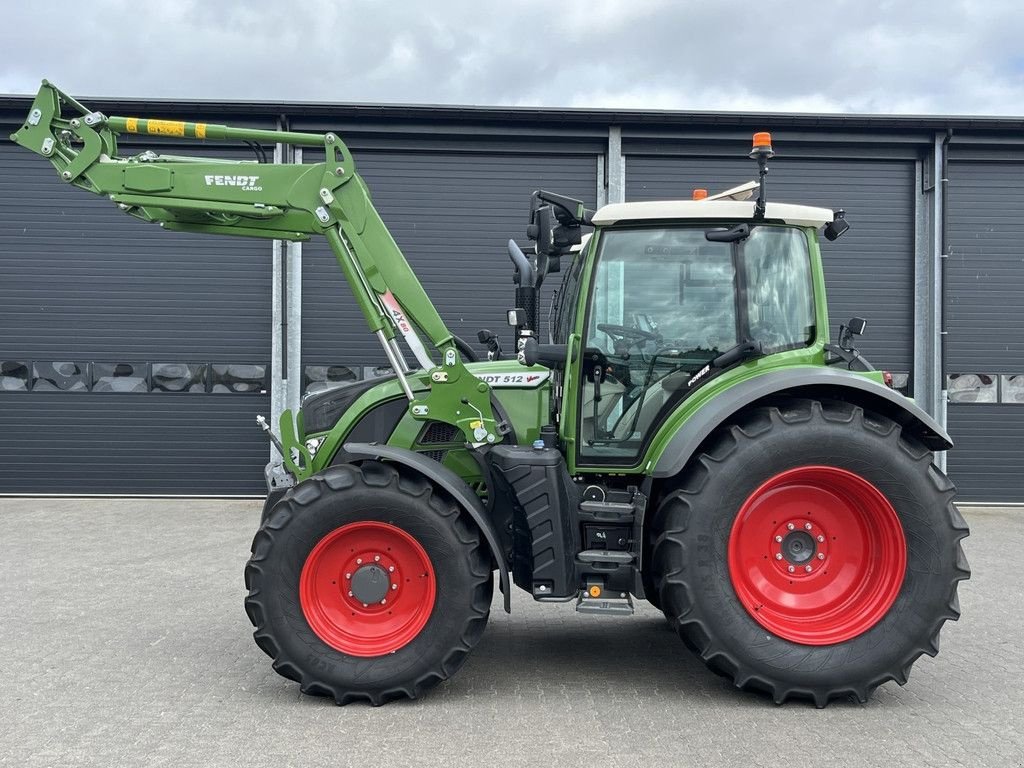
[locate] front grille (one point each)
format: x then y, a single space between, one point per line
437 432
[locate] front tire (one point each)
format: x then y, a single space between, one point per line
367 584
812 550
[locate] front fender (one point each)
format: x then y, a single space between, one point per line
797 382
452 484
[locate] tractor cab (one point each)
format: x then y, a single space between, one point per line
666 309
666 298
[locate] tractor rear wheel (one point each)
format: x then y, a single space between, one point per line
812 550
367 584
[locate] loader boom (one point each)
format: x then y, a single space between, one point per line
290 201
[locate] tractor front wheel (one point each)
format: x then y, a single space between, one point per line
365 583
812 550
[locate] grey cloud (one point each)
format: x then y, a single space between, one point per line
910 56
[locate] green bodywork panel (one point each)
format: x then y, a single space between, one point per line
526 407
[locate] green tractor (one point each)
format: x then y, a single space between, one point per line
681 431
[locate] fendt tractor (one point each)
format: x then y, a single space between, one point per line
683 431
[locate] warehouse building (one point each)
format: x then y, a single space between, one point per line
133 360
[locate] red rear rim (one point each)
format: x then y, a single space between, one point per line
817 555
367 589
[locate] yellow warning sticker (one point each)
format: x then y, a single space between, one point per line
132 124
200 130
475 424
165 127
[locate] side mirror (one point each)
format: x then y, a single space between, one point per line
853 327
542 228
837 227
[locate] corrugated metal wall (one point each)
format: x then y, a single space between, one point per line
985 321
98 292
94 303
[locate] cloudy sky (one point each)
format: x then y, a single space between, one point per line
901 56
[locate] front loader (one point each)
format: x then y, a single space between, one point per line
682 430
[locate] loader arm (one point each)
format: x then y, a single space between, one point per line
290 201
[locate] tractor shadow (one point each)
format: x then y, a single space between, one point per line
550 648
556 652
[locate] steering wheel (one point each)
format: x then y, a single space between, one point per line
624 338
625 333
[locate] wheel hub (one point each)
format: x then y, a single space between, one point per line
370 584
800 545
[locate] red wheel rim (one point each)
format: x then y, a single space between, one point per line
817 555
367 589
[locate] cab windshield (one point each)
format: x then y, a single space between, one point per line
665 302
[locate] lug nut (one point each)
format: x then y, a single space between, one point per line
821 555
359 561
808 526
350 593
383 601
807 568
365 605
391 569
348 575
778 555
791 569
394 586
820 538
778 538
791 526
376 558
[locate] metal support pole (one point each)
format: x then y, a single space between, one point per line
277 373
602 182
942 258
929 246
293 294
616 165
926 383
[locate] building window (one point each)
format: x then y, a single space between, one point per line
179 377
973 388
60 377
14 376
120 377
238 378
1012 389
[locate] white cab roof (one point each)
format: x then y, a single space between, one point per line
799 215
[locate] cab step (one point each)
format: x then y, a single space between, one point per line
606 511
617 557
604 605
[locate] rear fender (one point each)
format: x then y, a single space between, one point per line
802 382
453 485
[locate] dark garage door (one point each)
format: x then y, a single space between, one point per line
985 282
869 272
133 359
452 214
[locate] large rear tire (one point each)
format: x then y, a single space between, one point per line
812 550
367 584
